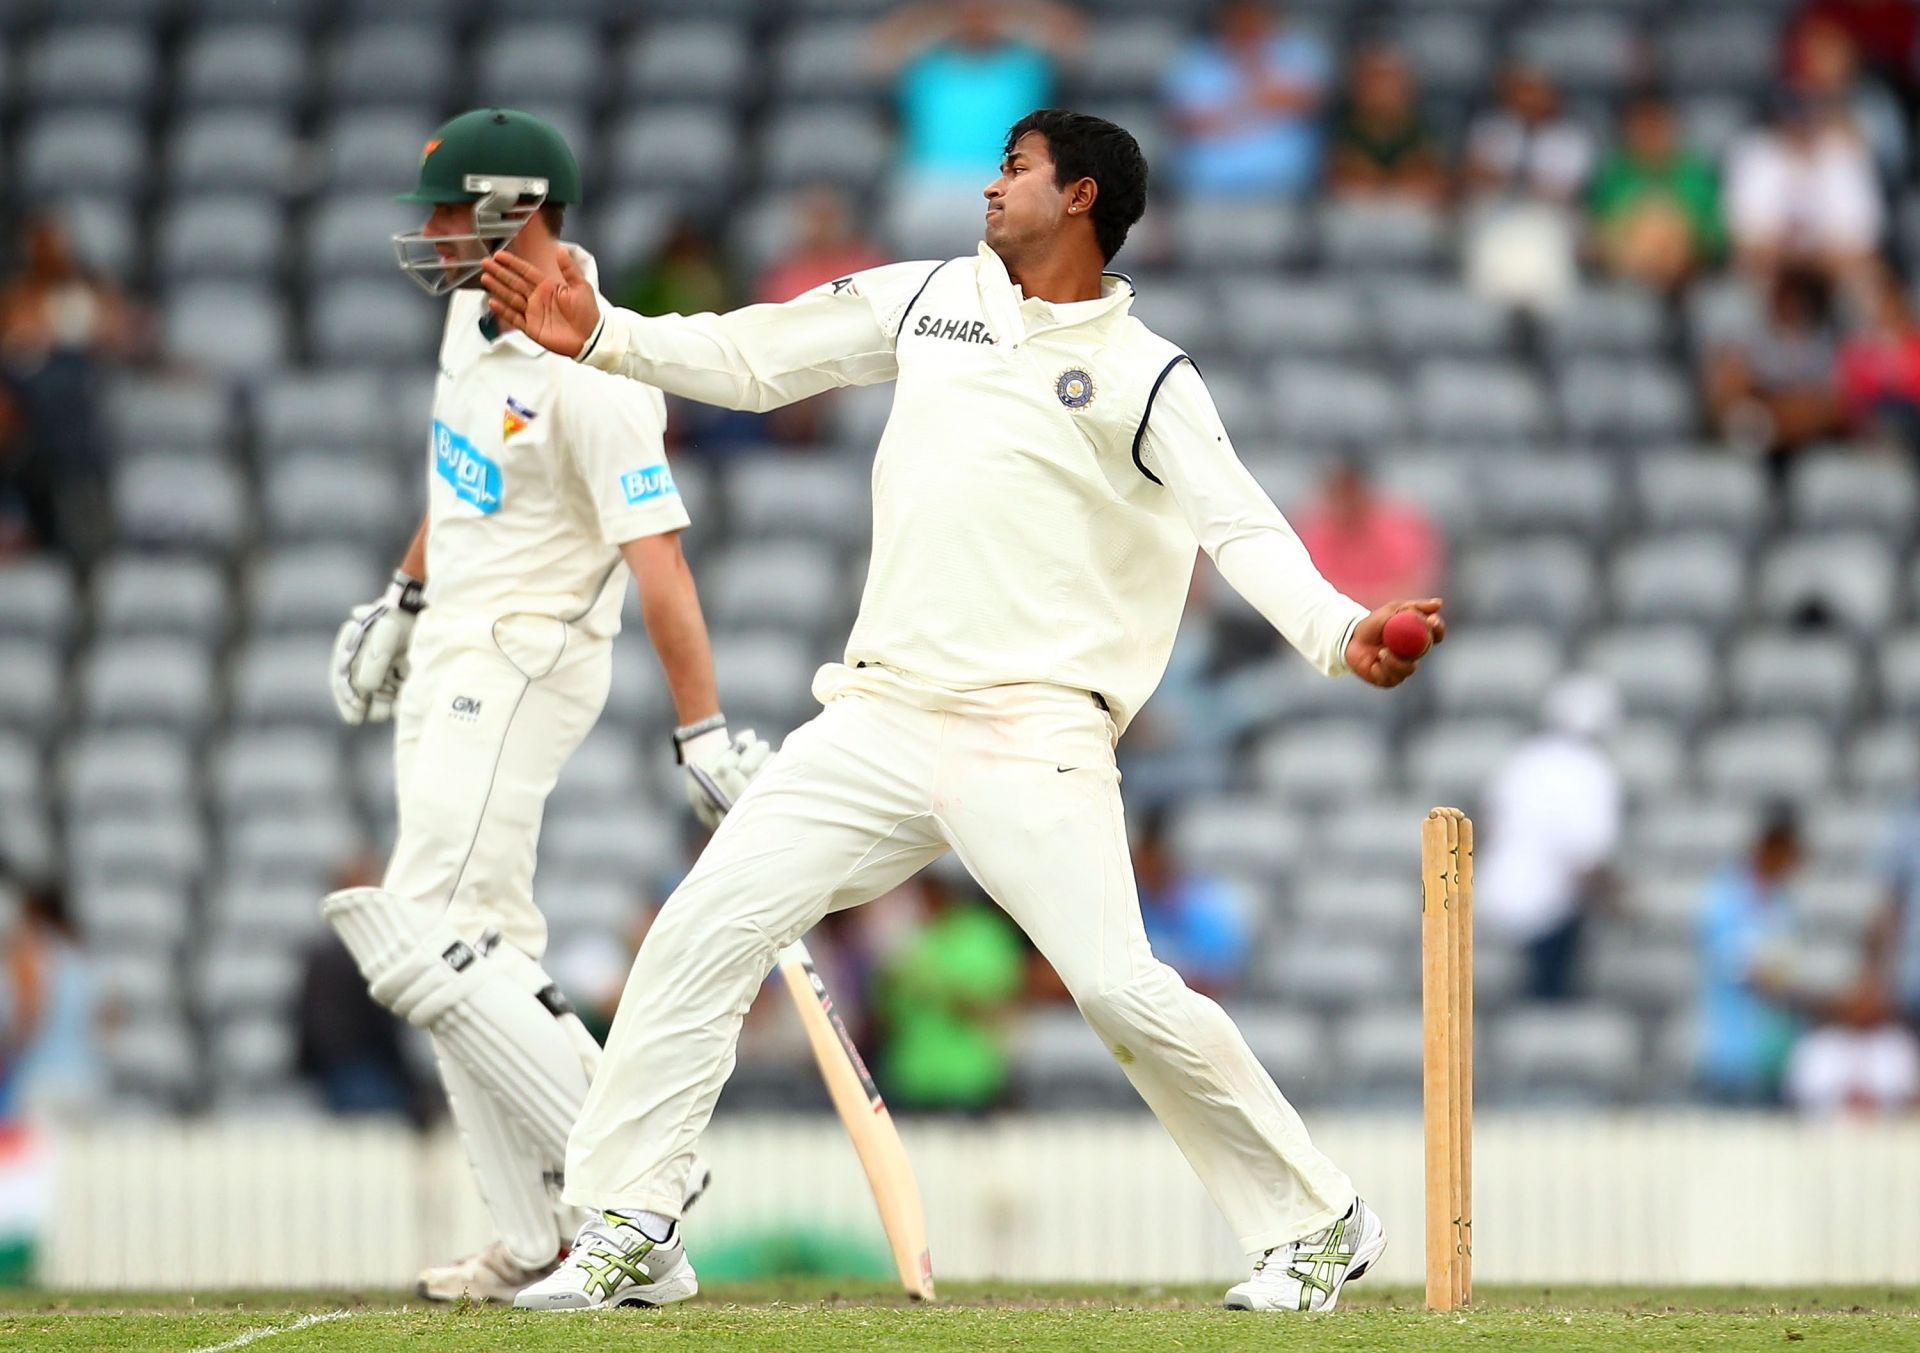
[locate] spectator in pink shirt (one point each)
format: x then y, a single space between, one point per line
1371 546
1878 370
825 247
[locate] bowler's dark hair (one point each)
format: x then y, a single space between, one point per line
1088 147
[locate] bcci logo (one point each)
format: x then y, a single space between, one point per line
1075 388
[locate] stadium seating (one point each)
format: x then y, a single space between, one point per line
165 727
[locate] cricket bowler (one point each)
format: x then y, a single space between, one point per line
1047 471
492 651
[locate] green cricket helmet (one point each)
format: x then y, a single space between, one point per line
508 164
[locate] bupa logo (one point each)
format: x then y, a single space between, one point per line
646 484
475 479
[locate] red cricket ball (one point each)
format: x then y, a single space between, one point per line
1406 634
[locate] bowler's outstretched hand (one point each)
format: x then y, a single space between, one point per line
1367 652
557 311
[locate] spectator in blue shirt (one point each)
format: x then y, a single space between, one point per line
1893 945
1195 921
50 1058
1749 1014
966 72
1247 101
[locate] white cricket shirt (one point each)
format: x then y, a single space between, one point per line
538 469
1041 484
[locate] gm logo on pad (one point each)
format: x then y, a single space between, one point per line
475 479
645 485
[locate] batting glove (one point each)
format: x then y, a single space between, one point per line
370 653
718 766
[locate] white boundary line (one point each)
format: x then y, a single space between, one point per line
254 1336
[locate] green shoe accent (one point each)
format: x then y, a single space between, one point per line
1332 1256
606 1276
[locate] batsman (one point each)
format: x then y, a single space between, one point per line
492 652
1049 470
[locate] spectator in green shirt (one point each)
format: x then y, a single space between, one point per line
943 1002
1656 204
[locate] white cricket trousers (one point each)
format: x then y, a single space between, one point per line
893 773
491 712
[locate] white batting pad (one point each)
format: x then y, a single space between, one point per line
512 1178
499 1015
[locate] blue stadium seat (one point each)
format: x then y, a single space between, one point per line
520 63
139 594
1786 673
113 65
1670 671
227 329
389 62
263 65
696 60
1768 759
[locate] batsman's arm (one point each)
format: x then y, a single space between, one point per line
670 608
414 562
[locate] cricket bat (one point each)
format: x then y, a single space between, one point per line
875 1139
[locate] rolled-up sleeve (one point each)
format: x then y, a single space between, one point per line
1237 524
762 357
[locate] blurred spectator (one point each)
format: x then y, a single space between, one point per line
1370 545
1885 32
1525 146
49 1010
1774 391
1195 921
943 1000
24 500
1854 1069
591 967
966 72
1827 76
1893 944
58 323
826 246
1247 102
1878 376
1382 147
685 276
1526 164
1552 819
348 1045
1749 1017
1656 204
1802 192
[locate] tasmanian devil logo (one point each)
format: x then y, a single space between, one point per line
959 330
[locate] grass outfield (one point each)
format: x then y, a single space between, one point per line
839 1317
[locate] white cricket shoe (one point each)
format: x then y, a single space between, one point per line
490 1275
494 1275
613 1264
1308 1274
